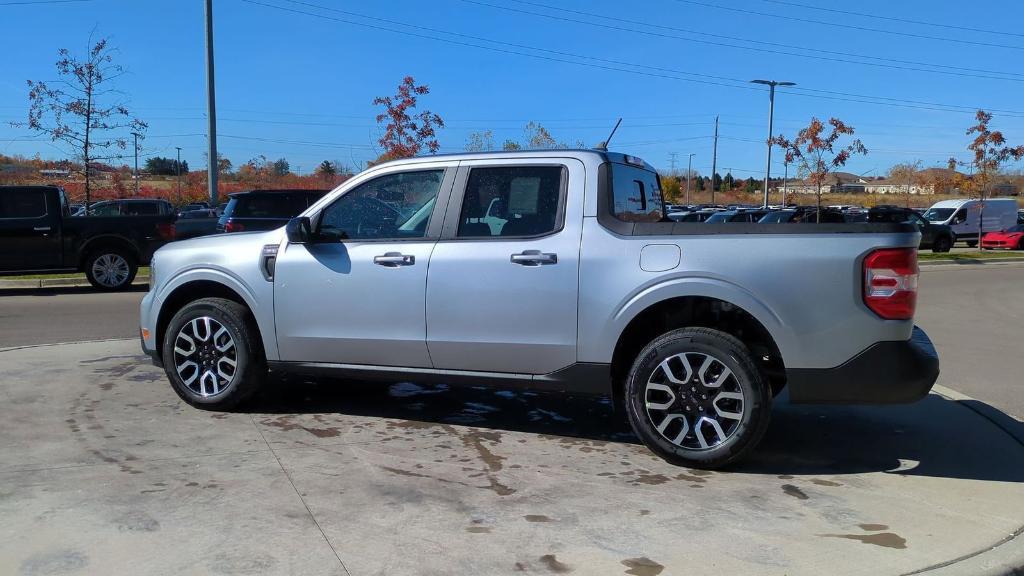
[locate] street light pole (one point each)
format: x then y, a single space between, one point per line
213 163
771 118
136 178
689 164
177 172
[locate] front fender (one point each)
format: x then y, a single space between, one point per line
257 294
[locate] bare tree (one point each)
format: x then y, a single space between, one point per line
907 173
83 110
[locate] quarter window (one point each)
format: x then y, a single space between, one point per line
511 201
394 206
636 194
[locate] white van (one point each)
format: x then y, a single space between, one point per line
962 216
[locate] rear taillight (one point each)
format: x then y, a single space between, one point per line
232 226
890 282
166 231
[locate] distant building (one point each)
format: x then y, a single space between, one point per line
54 173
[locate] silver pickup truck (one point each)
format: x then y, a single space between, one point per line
552 270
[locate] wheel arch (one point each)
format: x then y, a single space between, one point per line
107 241
716 305
197 284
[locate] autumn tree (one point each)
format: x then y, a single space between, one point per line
990 153
281 167
904 176
817 152
480 141
407 132
82 110
670 188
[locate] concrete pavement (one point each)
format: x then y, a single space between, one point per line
103 470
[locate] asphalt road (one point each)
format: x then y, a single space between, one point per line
974 315
50 316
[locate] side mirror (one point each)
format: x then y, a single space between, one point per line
299 230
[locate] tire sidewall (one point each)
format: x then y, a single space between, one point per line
243 356
133 268
756 405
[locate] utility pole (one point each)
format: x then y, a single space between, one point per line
213 163
177 172
714 161
672 160
689 164
136 137
771 117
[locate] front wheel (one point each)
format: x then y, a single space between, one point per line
110 269
696 398
942 244
212 354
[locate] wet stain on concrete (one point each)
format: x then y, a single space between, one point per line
642 566
873 527
821 482
691 478
650 479
645 512
883 539
243 564
794 491
478 529
553 565
109 358
285 423
537 518
57 562
784 477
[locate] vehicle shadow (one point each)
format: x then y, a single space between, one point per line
934 437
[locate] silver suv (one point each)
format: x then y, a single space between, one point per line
554 270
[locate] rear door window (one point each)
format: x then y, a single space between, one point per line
140 208
636 194
22 204
512 201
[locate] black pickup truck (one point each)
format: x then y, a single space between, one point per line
38 235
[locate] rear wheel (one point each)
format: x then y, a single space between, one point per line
213 355
696 398
110 268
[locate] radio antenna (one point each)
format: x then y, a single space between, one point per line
603 146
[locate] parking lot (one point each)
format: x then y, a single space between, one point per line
104 469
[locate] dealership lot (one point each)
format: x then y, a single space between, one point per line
102 467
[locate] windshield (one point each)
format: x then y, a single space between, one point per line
939 214
719 217
777 217
1017 228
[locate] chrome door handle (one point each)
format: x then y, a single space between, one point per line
534 258
394 260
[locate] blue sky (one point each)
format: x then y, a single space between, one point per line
299 82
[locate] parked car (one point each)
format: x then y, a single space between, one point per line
128 207
37 235
575 293
701 215
1020 217
193 223
1010 239
193 206
937 237
737 215
962 217
265 209
804 215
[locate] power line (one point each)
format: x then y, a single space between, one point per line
894 19
911 65
725 81
850 26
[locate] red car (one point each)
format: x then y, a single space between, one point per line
1011 238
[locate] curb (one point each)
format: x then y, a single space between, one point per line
969 262
58 283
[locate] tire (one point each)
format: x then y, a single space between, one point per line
652 399
110 268
215 332
942 244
